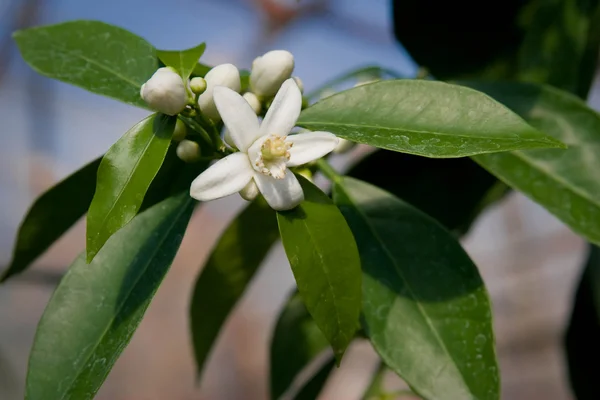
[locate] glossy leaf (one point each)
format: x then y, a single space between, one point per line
45 222
581 341
96 56
228 271
425 307
296 342
556 46
563 181
325 263
184 61
427 118
125 173
452 191
97 307
312 388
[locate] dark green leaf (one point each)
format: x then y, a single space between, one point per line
52 214
97 307
448 40
201 70
427 118
227 273
556 44
184 61
563 181
125 173
296 342
98 57
325 263
425 307
312 388
582 346
450 190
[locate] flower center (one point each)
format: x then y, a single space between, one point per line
271 156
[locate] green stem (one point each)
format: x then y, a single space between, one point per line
213 132
328 170
197 128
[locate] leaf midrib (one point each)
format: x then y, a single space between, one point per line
406 282
413 131
181 211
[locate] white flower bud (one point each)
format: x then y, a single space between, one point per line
165 92
198 85
221 75
180 131
343 146
253 101
188 151
270 71
299 83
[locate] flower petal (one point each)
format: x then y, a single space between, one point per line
310 146
284 110
238 117
250 191
227 176
281 194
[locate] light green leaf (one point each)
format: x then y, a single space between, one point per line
296 342
565 182
427 118
425 307
230 268
325 262
125 173
96 56
184 61
97 307
45 222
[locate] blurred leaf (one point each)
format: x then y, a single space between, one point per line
97 307
296 342
427 118
125 173
51 215
563 181
425 307
228 271
312 388
96 56
325 262
184 61
201 70
376 388
556 46
582 346
447 39
450 190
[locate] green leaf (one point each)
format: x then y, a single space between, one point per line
581 341
125 173
228 271
425 307
325 262
556 46
452 191
98 57
563 181
184 61
45 222
97 307
296 342
201 70
427 118
312 388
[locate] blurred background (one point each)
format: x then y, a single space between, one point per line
530 262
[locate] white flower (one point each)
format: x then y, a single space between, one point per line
222 75
165 92
256 107
299 83
343 146
266 151
188 151
270 71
